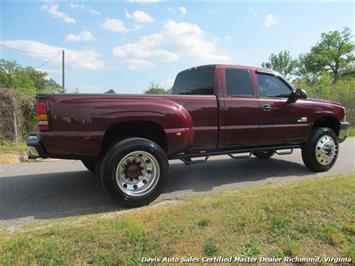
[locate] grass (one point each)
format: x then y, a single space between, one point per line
352 132
305 218
12 148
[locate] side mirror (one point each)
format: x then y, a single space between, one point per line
301 94
297 94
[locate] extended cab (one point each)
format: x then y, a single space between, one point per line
127 140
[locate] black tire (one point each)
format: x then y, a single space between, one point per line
90 165
117 156
264 154
309 150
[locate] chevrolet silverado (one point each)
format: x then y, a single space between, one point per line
127 140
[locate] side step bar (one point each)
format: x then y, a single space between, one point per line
188 158
284 152
189 161
240 156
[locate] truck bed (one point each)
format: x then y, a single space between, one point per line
78 122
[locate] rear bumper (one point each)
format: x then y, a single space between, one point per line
344 131
35 147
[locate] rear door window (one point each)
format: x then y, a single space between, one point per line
239 83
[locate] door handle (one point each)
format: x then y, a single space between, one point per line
265 107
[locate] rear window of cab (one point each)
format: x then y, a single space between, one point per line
194 82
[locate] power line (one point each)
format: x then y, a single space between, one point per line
27 52
48 61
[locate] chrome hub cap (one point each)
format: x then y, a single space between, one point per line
326 150
137 173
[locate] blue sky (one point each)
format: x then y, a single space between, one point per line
124 45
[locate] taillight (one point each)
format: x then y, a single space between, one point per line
42 116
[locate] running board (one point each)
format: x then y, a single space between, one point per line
284 152
239 156
187 158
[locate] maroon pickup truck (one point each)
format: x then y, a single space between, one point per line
127 140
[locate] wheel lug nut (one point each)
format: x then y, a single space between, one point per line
147 161
135 186
125 185
144 181
149 172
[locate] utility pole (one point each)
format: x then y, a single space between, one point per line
63 71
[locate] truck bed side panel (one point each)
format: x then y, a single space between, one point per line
78 122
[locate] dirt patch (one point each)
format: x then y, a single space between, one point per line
9 158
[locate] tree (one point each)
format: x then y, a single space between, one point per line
155 88
333 54
26 79
110 91
42 82
281 62
18 86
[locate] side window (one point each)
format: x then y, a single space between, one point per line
194 82
239 83
270 86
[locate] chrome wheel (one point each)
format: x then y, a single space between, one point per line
137 173
326 150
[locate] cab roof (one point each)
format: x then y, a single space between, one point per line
250 68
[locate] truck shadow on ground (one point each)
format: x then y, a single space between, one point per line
56 195
205 177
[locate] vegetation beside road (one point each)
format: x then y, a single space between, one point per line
12 148
303 218
18 88
352 132
11 152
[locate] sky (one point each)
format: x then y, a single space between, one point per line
125 45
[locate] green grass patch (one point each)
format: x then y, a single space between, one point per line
11 147
352 132
306 218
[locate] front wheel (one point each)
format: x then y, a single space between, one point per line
320 152
134 171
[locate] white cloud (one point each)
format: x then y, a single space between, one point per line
84 59
144 1
174 41
84 7
139 64
270 20
146 47
82 36
53 9
115 25
139 16
182 9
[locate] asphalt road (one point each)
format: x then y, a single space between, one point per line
45 190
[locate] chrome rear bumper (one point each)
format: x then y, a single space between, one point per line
34 146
